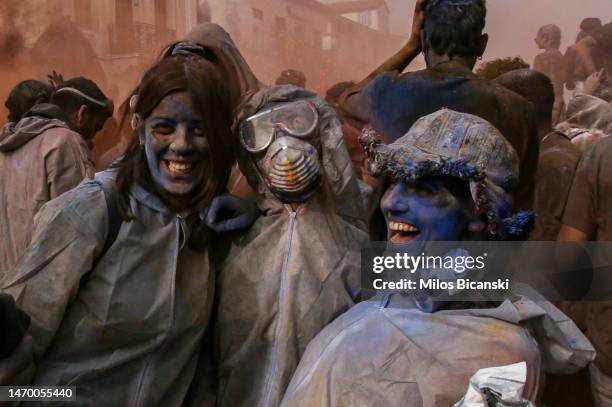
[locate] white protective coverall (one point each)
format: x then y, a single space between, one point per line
125 328
291 273
384 352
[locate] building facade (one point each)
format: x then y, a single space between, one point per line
373 14
273 35
307 35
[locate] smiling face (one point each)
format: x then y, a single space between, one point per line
426 210
175 146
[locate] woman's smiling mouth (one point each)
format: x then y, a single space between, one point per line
178 168
401 232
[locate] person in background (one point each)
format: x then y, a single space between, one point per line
558 156
588 119
597 84
24 96
588 217
492 69
450 34
588 26
550 62
44 155
350 128
575 70
85 107
595 50
291 77
556 168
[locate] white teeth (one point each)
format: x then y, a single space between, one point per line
176 166
402 227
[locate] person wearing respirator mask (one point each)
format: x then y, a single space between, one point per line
297 267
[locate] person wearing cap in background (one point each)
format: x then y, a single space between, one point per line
44 155
85 107
292 77
450 178
450 35
550 62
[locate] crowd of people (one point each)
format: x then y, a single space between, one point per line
214 258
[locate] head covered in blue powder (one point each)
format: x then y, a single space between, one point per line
451 178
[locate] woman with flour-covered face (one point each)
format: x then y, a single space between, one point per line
118 280
176 146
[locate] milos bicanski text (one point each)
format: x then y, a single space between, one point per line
403 262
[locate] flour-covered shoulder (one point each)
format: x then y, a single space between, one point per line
69 234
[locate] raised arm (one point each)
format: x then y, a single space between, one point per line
350 100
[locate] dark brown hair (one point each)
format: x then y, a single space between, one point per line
533 86
492 69
221 61
454 27
210 98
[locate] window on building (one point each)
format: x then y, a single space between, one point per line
281 24
161 20
258 14
364 18
82 13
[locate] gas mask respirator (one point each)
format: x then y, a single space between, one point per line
280 141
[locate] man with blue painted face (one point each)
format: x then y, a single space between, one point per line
297 267
450 179
450 35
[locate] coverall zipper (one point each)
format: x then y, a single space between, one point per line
140 401
281 295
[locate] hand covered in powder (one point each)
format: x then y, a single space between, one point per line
228 213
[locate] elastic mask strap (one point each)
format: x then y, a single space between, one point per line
103 104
